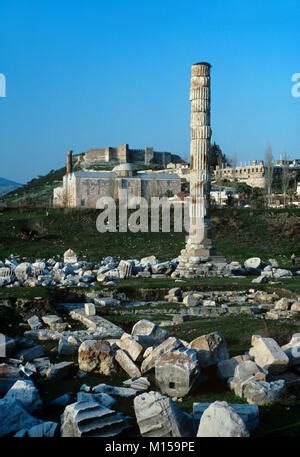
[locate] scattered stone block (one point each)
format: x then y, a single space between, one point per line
60 370
177 372
51 319
127 364
90 309
91 419
264 393
248 413
14 417
268 354
167 346
34 322
94 355
211 348
149 332
282 304
253 262
226 367
32 353
132 347
7 346
140 384
123 392
158 416
220 420
243 373
9 374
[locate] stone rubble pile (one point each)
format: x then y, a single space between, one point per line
72 272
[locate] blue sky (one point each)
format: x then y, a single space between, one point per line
83 74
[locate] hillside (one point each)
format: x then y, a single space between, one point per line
6 186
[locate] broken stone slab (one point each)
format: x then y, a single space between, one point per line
62 400
243 373
151 259
29 369
34 322
14 417
23 271
9 374
94 355
125 268
32 353
60 370
7 346
102 398
192 299
262 279
132 347
124 392
70 257
295 308
282 305
226 367
264 393
149 332
127 364
91 419
65 348
107 301
140 383
103 326
292 350
211 348
90 309
42 364
178 371
221 420
252 262
248 413
44 430
167 346
158 416
51 319
268 354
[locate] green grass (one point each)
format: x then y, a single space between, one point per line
238 234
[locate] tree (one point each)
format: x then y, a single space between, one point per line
269 169
217 157
285 176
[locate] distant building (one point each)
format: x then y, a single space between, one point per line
82 189
252 174
223 196
124 154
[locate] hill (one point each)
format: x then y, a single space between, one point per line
6 186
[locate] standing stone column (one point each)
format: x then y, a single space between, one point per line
199 246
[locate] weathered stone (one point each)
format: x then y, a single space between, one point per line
243 373
263 393
151 259
292 350
211 348
262 279
167 346
70 257
51 319
220 420
149 332
281 273
44 430
105 328
29 354
9 374
268 354
248 413
14 417
126 363
60 370
102 398
42 364
192 299
23 271
140 384
253 262
295 308
91 419
107 301
132 347
158 416
90 309
113 390
177 372
65 348
7 345
282 304
226 367
26 393
96 356
34 322
125 269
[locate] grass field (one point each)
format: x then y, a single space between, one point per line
238 234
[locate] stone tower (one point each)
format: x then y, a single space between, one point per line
199 249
